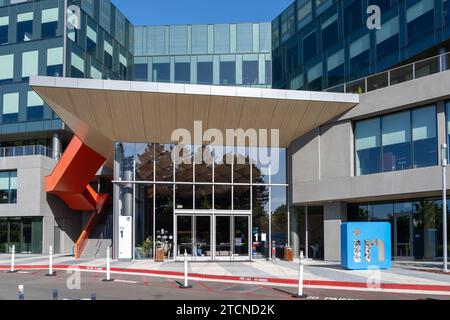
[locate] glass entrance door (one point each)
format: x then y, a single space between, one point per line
232 235
202 241
403 236
223 238
184 235
241 230
194 236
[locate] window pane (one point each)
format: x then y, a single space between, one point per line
203 164
279 217
184 197
184 172
222 197
396 140
141 72
144 162
7 69
30 62
241 195
183 72
223 157
203 197
24 26
3 34
164 164
144 220
164 218
161 72
204 72
228 73
260 220
250 72
368 146
424 136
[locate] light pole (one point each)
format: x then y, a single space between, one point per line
444 202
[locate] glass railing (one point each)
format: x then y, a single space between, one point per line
21 151
415 70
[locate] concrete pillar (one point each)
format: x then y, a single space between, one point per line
334 213
56 146
128 193
294 231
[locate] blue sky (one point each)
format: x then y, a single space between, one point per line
156 12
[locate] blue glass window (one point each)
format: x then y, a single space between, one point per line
24 26
3 33
420 19
353 16
424 136
49 23
330 34
35 107
250 72
55 71
396 138
140 72
309 47
182 72
49 29
161 72
204 72
397 141
368 146
228 72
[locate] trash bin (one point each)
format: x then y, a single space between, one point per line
159 257
288 254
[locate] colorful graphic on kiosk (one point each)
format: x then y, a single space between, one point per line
366 245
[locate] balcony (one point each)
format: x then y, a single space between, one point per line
22 151
415 70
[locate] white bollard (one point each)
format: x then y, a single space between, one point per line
13 257
301 259
186 280
50 273
108 266
21 293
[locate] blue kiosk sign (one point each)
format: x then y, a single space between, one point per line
366 245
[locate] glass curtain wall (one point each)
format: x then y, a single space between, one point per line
22 232
210 179
398 141
416 225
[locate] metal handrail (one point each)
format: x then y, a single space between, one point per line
21 151
361 85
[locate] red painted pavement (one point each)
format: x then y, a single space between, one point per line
274 281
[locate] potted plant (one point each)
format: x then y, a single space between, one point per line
146 248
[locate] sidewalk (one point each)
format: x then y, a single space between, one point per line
402 277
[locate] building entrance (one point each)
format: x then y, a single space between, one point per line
218 237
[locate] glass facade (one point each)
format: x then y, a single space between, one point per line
416 225
182 205
399 141
219 54
25 233
332 37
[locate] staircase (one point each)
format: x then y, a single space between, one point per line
70 182
99 240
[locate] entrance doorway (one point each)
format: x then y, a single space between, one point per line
221 237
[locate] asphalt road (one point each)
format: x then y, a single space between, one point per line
37 286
